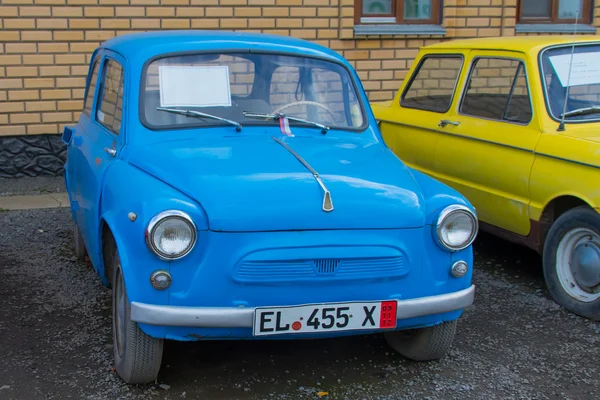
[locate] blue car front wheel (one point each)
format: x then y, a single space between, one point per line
137 355
423 344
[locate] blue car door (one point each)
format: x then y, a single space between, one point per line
98 144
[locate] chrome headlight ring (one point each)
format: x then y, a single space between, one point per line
442 220
163 217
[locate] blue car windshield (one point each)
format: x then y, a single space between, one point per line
580 72
230 85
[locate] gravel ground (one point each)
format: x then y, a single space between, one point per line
514 343
30 185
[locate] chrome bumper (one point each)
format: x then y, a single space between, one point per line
229 317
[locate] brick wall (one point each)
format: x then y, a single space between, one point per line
45 45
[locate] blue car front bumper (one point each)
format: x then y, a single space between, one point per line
243 317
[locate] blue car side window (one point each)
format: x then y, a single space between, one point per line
91 90
110 102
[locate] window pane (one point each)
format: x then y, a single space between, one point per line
417 9
433 86
110 102
489 91
89 98
567 9
377 7
536 8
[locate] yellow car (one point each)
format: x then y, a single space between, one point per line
514 125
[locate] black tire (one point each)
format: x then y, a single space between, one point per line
572 220
423 344
137 356
78 244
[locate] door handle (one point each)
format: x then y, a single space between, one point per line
112 152
445 122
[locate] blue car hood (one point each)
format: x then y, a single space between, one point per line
252 183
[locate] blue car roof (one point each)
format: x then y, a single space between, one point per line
138 47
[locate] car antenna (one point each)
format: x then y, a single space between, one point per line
561 126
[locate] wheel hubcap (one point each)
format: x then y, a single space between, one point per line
120 313
578 264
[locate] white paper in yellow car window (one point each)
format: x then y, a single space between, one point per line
584 71
206 86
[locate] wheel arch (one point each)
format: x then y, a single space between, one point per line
554 209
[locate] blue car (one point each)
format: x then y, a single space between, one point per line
236 186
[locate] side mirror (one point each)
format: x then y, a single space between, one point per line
67 135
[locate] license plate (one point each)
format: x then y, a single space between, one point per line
330 317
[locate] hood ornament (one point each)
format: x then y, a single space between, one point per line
327 202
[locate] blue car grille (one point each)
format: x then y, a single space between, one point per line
324 269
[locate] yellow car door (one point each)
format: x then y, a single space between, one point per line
409 123
486 151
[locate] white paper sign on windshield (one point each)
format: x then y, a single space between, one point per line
201 86
584 71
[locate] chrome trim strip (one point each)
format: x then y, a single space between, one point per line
231 317
568 160
327 202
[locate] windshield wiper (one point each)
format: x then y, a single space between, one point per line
582 111
198 114
275 117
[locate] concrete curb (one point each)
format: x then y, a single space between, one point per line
31 202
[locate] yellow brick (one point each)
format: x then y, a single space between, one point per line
327 12
316 23
356 55
219 11
281 32
70 59
54 23
10 60
79 70
327 34
12 130
36 36
371 64
35 12
247 12
84 23
68 36
289 22
289 2
234 23
50 2
261 2
17 1
190 12
67 12
9 36
129 11
381 96
40 129
21 71
204 2
57 117
20 48
490 32
382 54
276 11
38 59
113 2
176 24
53 47
31 106
21 23
54 71
478 22
114 24
466 32
372 85
304 33
77 94
9 11
175 2
25 118
74 105
82 2
3 119
6 107
490 12
303 12
467 12
160 11
479 2
98 35
56 94
99 12
145 2
11 83
35 83
205 23
381 75
145 23
390 85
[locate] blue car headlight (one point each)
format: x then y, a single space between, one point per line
456 227
171 234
